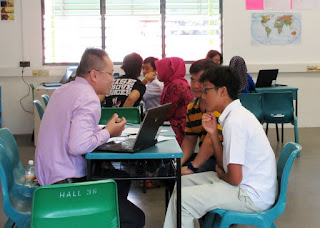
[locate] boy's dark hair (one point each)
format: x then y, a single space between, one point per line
92 59
151 60
132 64
201 65
223 76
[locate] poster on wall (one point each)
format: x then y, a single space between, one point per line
275 28
7 10
281 4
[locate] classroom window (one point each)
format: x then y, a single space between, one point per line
160 28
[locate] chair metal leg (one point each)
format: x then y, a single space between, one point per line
9 223
282 132
267 129
277 132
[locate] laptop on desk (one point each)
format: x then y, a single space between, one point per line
70 72
147 135
267 78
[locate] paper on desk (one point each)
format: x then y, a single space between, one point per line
164 138
130 130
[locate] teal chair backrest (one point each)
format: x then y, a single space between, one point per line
253 102
85 204
45 98
9 142
16 206
39 108
278 107
131 114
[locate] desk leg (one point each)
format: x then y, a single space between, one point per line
178 173
297 106
89 169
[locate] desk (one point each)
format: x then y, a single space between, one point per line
276 89
162 150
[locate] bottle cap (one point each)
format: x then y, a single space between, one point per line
30 162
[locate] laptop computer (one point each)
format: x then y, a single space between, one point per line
267 78
71 71
147 135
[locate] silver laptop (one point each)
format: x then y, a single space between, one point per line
147 135
70 72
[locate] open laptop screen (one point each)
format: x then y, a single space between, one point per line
267 78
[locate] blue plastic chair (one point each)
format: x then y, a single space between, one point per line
11 148
224 218
16 206
46 99
253 102
278 108
39 108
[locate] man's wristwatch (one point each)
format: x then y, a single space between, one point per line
192 168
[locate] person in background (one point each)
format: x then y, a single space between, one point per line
204 160
246 83
154 87
127 90
176 90
215 56
246 177
69 129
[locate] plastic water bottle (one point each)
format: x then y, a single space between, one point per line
29 174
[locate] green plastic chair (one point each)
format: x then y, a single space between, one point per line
253 102
39 108
9 143
131 114
16 206
85 204
278 108
224 218
45 98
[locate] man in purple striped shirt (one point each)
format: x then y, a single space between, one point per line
69 129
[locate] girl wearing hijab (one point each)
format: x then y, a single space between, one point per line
176 90
246 83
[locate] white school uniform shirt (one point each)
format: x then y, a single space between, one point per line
245 143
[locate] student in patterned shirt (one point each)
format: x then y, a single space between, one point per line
194 131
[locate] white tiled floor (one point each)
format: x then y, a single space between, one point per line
303 200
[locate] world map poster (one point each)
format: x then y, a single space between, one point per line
275 28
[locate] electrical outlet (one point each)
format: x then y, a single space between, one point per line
24 63
44 72
40 73
35 73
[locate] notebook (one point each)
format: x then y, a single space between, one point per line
71 71
147 134
267 78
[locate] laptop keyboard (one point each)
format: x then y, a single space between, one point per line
118 146
126 144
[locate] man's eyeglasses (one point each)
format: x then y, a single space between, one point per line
101 71
206 89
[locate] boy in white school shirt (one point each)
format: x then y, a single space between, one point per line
245 178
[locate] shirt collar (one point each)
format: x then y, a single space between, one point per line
81 80
234 104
